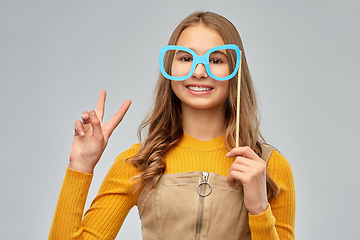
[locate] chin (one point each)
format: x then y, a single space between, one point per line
204 105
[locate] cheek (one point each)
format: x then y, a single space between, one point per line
223 87
220 71
176 86
179 71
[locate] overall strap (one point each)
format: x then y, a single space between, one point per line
266 152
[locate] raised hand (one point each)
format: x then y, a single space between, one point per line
92 135
250 170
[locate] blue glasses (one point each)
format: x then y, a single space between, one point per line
218 61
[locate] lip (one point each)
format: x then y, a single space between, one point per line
199 85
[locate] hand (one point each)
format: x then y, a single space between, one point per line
250 170
92 135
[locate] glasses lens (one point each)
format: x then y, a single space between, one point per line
222 62
181 63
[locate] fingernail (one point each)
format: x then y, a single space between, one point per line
82 133
83 116
93 114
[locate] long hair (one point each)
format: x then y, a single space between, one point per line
164 126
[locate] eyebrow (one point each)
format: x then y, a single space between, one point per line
180 51
218 51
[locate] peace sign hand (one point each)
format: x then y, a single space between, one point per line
92 135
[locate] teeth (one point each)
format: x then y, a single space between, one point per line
199 89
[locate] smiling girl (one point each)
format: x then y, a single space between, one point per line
186 176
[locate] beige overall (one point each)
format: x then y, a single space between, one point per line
194 205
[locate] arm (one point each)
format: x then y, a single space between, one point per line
114 200
107 211
70 206
278 221
267 220
90 139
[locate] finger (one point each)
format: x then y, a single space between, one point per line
79 128
96 125
233 177
243 176
116 119
236 175
85 116
241 168
240 160
231 180
243 151
100 105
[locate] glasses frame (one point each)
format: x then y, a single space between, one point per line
204 59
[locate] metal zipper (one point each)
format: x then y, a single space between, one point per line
202 195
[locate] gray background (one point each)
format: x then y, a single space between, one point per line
55 57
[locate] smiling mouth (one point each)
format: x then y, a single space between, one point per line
199 89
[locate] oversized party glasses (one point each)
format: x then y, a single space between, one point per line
184 61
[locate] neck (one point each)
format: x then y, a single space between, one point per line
203 124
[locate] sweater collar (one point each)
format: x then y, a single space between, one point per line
191 142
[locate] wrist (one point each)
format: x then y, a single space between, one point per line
76 166
260 209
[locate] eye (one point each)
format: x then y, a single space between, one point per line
186 59
217 58
216 61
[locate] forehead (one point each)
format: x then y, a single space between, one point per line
200 38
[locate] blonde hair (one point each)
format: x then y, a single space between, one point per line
164 127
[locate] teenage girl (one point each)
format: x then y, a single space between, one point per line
186 176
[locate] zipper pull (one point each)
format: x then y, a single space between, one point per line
205 176
203 184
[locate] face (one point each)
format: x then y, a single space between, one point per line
200 91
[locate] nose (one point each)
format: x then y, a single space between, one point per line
200 71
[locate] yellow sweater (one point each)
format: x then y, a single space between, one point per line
115 197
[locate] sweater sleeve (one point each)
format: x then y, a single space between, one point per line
107 211
278 221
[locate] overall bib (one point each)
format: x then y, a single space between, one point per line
195 205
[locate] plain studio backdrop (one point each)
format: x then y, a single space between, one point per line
56 56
